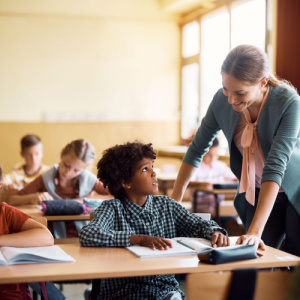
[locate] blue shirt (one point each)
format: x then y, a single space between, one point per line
161 216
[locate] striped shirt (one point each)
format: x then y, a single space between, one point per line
161 216
20 178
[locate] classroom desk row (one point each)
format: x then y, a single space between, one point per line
97 263
225 208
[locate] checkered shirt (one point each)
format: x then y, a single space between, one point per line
161 216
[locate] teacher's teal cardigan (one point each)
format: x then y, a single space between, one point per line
278 133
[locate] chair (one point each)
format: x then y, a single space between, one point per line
216 286
92 215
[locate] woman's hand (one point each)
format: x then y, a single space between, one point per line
251 239
218 239
155 242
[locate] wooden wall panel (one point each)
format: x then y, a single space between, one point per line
288 41
101 134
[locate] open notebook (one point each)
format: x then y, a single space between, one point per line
181 246
200 247
32 255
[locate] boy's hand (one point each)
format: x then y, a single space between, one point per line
218 239
155 242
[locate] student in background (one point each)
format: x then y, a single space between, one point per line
32 152
136 216
19 230
211 170
70 179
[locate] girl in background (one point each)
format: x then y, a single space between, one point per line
70 179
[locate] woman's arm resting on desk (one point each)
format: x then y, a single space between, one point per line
266 200
185 173
32 234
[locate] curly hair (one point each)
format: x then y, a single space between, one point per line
119 163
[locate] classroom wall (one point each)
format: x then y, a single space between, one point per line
288 41
107 71
88 60
101 134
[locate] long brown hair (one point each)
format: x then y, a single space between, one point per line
250 64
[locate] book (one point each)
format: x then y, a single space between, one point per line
200 247
32 255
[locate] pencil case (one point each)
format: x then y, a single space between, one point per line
62 207
91 204
223 255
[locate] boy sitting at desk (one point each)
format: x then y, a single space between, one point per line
32 153
136 216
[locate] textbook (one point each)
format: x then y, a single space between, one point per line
33 255
200 247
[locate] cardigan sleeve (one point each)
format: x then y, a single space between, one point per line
285 139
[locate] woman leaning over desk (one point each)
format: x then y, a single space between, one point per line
260 117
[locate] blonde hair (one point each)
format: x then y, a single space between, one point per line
250 64
82 149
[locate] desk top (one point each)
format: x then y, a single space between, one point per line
206 187
33 211
172 151
93 263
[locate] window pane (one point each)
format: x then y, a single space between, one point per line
215 46
190 39
248 23
190 99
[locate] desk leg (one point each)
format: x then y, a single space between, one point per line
195 202
217 210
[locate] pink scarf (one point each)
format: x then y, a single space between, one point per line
250 144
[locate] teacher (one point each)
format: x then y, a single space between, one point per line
259 115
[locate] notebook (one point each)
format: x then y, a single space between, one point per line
181 246
32 255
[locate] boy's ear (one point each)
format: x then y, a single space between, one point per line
125 185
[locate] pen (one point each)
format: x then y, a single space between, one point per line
182 243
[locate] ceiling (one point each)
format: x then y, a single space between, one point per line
184 6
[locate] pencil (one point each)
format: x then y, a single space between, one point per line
182 243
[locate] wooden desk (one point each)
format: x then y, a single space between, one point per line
95 263
225 208
172 151
33 211
180 151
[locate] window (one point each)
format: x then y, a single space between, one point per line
205 44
